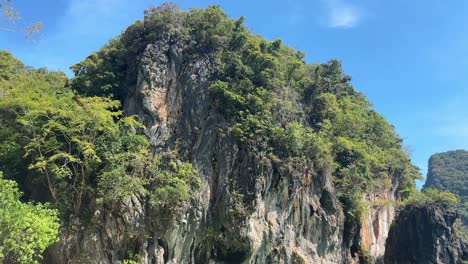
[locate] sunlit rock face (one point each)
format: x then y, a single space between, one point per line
290 215
376 222
293 215
251 208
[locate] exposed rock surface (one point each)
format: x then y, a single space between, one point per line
252 208
291 218
376 223
424 235
292 215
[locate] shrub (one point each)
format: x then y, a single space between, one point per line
26 230
431 196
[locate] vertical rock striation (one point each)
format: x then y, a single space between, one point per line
376 223
252 207
293 216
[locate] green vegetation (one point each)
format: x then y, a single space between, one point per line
67 142
432 196
173 182
69 150
270 96
26 230
460 230
448 171
132 259
81 148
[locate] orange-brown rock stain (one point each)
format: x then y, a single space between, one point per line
366 238
158 103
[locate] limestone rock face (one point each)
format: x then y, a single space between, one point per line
424 235
292 216
250 209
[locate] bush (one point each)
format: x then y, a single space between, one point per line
26 230
431 196
173 182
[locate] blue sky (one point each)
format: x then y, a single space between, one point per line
410 58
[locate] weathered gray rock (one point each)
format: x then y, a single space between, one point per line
424 235
250 209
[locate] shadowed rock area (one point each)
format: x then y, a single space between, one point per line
423 235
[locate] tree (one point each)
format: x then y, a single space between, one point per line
430 196
80 148
26 230
13 20
70 139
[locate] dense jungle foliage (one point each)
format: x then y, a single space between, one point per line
26 230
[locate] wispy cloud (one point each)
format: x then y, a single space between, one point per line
342 14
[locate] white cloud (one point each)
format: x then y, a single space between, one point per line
342 15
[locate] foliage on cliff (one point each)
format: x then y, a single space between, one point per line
70 150
26 229
448 171
68 139
425 230
430 197
270 96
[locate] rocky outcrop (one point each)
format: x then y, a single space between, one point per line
251 209
424 234
448 171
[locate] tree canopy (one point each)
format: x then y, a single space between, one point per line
75 149
26 229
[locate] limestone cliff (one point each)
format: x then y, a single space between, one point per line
253 207
448 171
